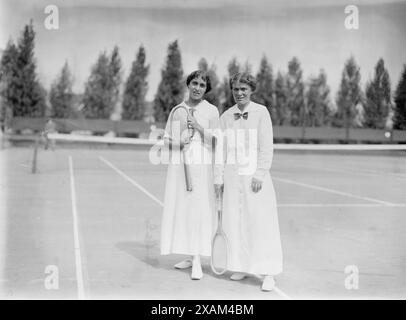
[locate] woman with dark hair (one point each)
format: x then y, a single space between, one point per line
250 217
187 222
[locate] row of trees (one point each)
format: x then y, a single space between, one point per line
293 101
290 99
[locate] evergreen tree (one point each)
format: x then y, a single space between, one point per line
247 67
103 86
29 94
214 95
61 95
349 96
136 87
378 98
295 93
399 118
97 99
203 65
115 69
265 88
228 99
318 101
233 67
282 113
171 88
9 81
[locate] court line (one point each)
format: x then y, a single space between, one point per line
78 259
121 173
348 170
310 186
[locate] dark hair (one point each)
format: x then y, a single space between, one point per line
199 74
243 77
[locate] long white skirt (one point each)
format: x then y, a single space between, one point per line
251 224
187 222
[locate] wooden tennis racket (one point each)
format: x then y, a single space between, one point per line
219 245
188 178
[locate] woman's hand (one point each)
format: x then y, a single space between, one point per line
184 142
256 185
192 122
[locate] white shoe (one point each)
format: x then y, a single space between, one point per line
268 284
197 272
185 264
237 276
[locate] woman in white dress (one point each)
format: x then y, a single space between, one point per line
188 216
249 204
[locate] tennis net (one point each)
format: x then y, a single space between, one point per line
57 142
70 143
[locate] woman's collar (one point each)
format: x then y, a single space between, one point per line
247 108
189 107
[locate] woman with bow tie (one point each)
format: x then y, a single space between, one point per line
250 215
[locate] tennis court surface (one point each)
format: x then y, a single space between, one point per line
87 225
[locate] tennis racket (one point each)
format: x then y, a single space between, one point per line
188 178
219 245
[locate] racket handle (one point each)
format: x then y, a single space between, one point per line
191 131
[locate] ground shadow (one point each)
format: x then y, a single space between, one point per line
149 253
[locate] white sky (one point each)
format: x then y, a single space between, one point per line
214 29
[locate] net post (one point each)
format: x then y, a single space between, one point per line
391 135
35 155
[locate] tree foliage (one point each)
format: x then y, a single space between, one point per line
171 88
281 113
61 94
228 99
349 95
103 87
264 94
21 91
378 98
136 87
295 93
399 120
9 81
318 101
214 95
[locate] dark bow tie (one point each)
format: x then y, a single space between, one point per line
241 115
